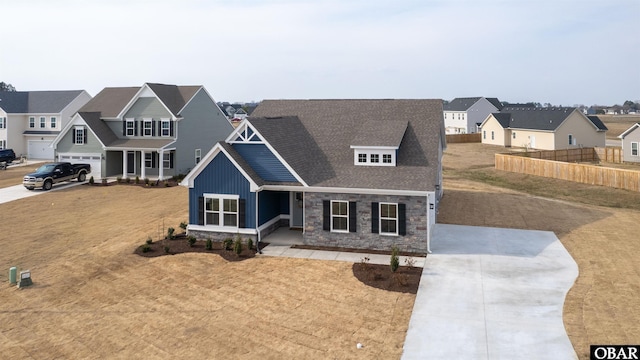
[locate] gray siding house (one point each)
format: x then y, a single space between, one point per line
153 131
464 115
631 144
31 120
363 174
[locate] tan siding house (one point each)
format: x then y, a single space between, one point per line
543 128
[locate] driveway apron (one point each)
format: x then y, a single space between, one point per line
490 293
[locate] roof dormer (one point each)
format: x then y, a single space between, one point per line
378 142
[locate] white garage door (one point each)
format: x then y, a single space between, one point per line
91 159
39 149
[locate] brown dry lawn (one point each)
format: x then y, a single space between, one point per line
617 124
93 298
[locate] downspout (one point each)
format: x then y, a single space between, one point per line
429 225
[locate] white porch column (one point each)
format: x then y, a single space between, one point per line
161 165
125 166
143 164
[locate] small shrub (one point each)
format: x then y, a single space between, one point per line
146 181
209 245
183 225
170 233
119 180
166 249
250 244
228 244
149 241
127 180
192 240
395 260
146 248
91 181
166 183
410 262
237 246
137 180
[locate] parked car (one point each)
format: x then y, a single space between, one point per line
7 156
48 174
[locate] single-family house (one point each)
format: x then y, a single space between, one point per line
30 120
153 131
631 144
464 115
543 128
347 173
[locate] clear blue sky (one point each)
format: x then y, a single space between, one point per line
564 52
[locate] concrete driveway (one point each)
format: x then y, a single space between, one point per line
17 192
489 293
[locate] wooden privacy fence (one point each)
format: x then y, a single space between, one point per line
566 155
612 154
587 174
464 138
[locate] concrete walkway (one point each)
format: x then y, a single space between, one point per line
489 293
282 240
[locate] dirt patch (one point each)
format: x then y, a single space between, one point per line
406 279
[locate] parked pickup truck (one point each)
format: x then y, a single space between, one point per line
53 173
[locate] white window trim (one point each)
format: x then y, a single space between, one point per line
637 148
221 198
164 121
346 216
133 127
380 218
3 144
53 122
32 122
166 160
369 152
198 156
3 122
76 130
145 122
43 122
150 155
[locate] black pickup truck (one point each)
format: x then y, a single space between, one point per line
53 173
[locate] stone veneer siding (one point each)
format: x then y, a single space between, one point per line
415 239
220 236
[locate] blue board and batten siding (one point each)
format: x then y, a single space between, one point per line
271 204
264 162
220 176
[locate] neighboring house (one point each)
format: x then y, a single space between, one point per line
30 120
153 131
348 173
631 144
464 115
543 128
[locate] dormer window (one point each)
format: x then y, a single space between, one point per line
148 127
130 127
374 156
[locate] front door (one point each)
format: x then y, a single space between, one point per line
131 162
297 210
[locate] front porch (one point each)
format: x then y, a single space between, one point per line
284 236
155 164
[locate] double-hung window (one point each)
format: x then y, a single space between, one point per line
339 216
3 122
147 127
80 135
130 127
375 158
386 158
148 160
32 122
388 219
43 122
634 149
166 160
198 155
221 210
165 128
53 122
362 158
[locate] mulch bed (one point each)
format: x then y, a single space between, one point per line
352 250
406 279
151 185
181 245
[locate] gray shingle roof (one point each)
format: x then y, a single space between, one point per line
317 144
99 127
110 101
30 102
597 122
463 104
536 118
173 96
